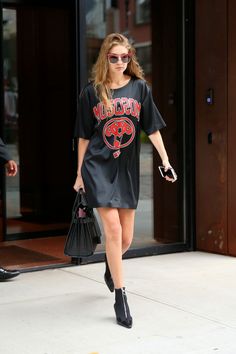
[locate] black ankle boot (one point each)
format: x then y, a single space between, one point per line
121 307
108 278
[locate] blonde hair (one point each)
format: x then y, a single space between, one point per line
100 76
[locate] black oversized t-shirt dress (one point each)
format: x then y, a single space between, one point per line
110 168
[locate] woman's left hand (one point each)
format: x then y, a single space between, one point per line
157 141
167 166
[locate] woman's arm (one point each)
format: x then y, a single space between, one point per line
82 147
4 155
157 141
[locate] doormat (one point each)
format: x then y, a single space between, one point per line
15 255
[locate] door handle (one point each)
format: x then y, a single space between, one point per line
209 138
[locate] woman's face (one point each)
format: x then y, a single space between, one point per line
118 59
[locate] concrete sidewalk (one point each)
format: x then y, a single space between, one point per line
181 304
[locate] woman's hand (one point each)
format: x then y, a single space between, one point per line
157 141
78 183
167 166
11 167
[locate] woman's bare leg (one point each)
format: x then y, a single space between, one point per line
127 224
113 233
118 227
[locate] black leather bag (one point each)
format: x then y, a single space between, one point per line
84 233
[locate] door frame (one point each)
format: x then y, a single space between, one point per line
186 153
188 129
2 170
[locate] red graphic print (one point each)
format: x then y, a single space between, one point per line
118 133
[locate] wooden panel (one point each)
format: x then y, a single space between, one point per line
232 128
211 159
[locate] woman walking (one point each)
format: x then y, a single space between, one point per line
113 109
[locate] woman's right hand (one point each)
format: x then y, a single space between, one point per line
11 167
78 184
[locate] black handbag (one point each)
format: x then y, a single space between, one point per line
84 233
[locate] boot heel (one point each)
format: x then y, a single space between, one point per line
121 308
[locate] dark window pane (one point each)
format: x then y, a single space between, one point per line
142 11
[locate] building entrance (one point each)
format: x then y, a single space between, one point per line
48 53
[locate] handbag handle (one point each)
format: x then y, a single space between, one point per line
83 200
80 201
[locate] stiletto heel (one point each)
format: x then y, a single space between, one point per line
108 278
121 307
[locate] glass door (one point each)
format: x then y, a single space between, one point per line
160 45
39 112
133 19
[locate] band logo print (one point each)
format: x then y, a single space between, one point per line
118 133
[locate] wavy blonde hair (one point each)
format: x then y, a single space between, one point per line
100 75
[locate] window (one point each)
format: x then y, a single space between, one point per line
142 11
144 52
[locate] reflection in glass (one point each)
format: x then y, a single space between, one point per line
10 107
95 18
144 53
143 11
31 196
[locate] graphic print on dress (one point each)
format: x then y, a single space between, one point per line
118 133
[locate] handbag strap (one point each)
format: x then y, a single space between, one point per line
76 202
80 200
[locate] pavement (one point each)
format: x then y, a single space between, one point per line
182 303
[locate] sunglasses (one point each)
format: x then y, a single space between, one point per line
114 58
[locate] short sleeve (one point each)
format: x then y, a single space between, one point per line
4 155
85 121
151 119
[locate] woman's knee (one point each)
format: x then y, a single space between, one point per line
113 230
126 241
111 223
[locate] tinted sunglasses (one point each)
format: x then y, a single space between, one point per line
114 58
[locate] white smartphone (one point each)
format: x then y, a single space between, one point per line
169 173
